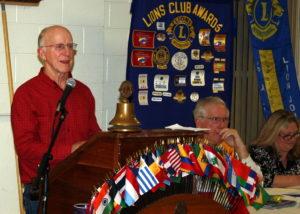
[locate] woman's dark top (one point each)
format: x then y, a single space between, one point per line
270 164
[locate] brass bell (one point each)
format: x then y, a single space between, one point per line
124 119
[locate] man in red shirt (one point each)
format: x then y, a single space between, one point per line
35 103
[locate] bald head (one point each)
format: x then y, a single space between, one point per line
44 34
204 103
56 52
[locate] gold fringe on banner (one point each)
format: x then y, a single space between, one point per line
271 80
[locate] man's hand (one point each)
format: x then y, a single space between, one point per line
232 137
77 145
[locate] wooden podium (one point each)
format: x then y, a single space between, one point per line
73 180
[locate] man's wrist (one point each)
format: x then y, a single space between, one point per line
249 162
242 151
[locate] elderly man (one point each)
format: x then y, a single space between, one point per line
212 113
36 101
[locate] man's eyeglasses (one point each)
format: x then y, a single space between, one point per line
61 47
217 119
289 136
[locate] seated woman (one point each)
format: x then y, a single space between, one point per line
277 150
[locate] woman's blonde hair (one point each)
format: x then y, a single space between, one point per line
271 129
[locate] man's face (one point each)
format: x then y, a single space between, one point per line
57 59
216 119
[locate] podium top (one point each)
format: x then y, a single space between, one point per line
74 177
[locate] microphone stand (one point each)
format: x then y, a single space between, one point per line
44 167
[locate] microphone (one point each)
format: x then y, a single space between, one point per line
71 83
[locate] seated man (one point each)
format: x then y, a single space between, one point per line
212 113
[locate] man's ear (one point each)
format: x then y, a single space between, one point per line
198 122
41 55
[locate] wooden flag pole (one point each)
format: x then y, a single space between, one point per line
7 53
9 75
11 94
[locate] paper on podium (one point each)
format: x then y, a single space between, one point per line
179 127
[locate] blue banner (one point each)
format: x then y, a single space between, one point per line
270 38
178 51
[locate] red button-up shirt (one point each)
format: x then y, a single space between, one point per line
32 116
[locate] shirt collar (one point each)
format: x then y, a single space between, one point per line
47 79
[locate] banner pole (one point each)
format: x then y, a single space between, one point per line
7 53
11 93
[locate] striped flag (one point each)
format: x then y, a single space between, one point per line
97 199
119 183
186 165
171 163
119 179
174 159
109 204
131 187
196 167
102 199
106 206
145 178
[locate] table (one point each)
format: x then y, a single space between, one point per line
281 191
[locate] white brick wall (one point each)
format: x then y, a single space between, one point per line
99 27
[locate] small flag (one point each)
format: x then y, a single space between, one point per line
170 161
116 200
217 161
231 176
97 200
196 167
145 178
131 187
261 197
186 165
104 200
119 180
206 168
246 177
155 165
